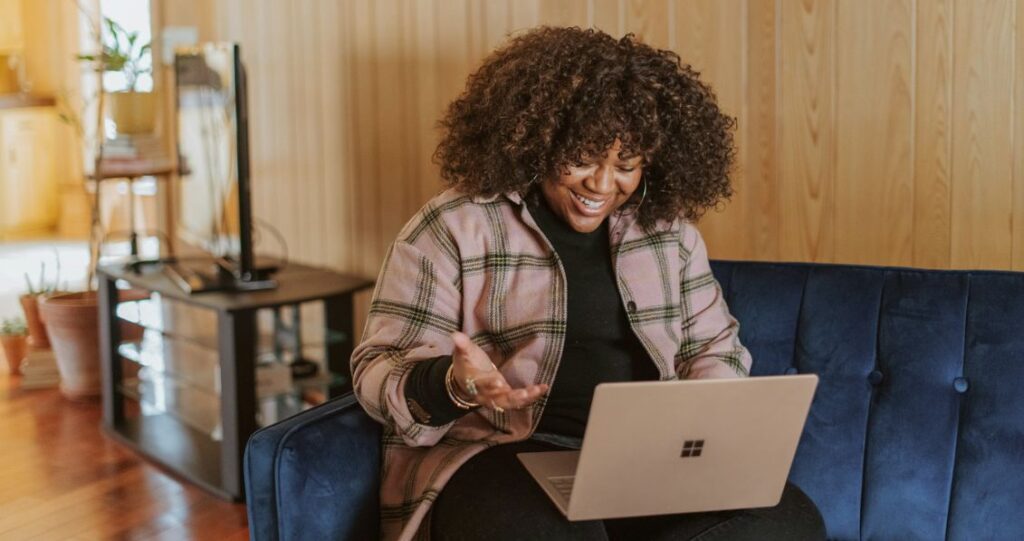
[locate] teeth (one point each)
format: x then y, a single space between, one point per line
589 203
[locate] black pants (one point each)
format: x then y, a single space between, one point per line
492 497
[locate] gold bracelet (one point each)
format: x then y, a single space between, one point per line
449 385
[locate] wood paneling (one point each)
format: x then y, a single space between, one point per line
609 15
565 13
707 38
884 131
806 130
1018 140
933 133
982 133
650 20
761 164
874 181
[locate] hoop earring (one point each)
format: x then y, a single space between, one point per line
636 207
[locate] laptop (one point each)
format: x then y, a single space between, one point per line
665 447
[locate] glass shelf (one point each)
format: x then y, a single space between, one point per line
186 322
182 360
190 364
187 404
159 394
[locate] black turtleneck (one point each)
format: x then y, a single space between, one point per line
600 346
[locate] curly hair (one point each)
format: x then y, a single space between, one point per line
552 96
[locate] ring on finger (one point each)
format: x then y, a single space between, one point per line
471 386
497 408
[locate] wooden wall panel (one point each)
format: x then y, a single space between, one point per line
650 20
525 14
392 149
1018 140
874 181
982 133
565 13
333 140
495 22
869 132
761 163
429 105
933 135
609 16
707 37
272 168
806 130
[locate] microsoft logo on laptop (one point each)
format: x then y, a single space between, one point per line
692 448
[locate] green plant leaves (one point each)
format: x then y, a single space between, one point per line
120 53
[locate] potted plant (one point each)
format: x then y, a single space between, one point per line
133 111
72 321
72 318
30 305
14 337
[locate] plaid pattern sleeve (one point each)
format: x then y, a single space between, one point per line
710 345
415 308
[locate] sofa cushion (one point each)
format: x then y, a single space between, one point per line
914 369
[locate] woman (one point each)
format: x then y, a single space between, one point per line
562 256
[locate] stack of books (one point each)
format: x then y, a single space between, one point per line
133 147
39 369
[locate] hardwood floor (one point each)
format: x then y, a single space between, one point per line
61 478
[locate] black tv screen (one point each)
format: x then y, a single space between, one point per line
212 201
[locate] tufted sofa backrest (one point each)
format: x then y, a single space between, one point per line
917 426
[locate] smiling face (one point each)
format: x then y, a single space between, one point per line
586 193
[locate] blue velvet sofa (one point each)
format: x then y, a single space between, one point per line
916 430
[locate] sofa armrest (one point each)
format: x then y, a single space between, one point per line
315 475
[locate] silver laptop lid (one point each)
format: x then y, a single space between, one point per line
689 446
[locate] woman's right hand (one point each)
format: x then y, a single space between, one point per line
470 363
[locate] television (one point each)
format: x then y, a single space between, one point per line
213 200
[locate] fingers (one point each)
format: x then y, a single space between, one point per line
471 366
469 353
462 342
512 398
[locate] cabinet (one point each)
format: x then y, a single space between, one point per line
28 180
11 36
187 378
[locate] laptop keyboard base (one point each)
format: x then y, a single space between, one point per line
563 485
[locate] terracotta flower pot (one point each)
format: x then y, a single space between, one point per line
72 321
15 348
36 328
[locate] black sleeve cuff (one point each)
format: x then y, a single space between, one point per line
426 395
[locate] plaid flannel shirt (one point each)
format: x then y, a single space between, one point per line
483 266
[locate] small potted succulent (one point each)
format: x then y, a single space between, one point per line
14 337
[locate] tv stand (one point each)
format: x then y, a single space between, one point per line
186 377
